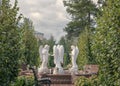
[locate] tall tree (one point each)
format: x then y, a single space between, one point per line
106 44
51 43
82 14
10 42
63 41
82 45
31 48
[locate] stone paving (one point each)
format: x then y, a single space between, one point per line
62 85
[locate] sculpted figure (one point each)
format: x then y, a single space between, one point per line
44 54
61 53
40 52
74 54
57 60
56 56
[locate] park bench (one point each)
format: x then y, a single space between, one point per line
40 81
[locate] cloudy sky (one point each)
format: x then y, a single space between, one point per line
48 16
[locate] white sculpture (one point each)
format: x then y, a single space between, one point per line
61 53
40 52
57 60
44 54
55 54
74 54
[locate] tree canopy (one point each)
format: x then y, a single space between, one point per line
10 42
31 48
82 14
106 44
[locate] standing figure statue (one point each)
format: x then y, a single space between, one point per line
74 54
44 54
57 60
61 53
55 54
40 52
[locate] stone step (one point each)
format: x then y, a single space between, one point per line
59 79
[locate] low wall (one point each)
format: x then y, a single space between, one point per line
59 79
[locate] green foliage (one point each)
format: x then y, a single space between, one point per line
66 59
24 81
80 12
51 62
10 43
83 14
83 81
82 45
51 43
66 44
31 48
106 44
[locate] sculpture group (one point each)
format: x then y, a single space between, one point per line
44 54
58 54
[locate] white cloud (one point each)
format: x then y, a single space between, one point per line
48 16
36 15
59 3
30 2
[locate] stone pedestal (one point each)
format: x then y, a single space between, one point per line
58 71
43 70
73 70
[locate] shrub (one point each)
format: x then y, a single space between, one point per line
83 81
10 42
24 81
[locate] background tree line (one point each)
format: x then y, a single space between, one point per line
81 26
18 44
98 39
94 28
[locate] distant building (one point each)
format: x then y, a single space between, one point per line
39 35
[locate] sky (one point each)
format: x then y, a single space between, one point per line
48 16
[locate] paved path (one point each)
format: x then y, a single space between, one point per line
61 85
